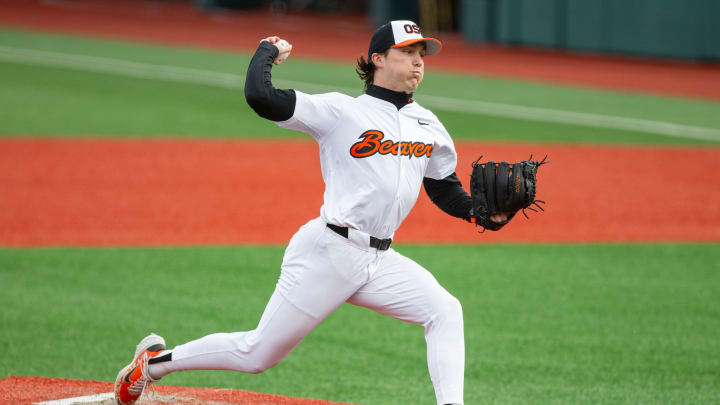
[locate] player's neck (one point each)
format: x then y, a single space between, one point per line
398 99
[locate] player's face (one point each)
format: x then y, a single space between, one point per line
404 68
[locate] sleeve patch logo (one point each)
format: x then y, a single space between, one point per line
372 143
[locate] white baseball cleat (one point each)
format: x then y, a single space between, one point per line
132 380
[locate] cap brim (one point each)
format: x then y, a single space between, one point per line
432 45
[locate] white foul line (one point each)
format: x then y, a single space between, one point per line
234 81
79 400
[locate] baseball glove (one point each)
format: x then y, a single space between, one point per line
503 188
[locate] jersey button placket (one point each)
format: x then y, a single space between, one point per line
388 216
400 165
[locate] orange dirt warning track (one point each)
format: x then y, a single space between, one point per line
343 38
83 192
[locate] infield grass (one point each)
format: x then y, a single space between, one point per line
544 324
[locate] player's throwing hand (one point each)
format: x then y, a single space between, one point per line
283 46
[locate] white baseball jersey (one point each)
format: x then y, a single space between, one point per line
373 157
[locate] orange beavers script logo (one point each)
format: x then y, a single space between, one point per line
372 143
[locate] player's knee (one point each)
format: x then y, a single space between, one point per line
263 365
449 309
256 370
454 307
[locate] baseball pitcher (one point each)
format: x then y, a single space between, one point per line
376 151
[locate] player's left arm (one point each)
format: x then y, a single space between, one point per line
447 192
450 196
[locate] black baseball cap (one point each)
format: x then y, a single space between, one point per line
400 33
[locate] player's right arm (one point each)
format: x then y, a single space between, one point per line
267 101
315 114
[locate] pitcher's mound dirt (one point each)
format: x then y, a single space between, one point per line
29 390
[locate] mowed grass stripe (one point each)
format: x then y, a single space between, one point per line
43 101
234 81
580 324
341 75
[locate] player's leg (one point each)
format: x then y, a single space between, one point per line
404 290
319 272
281 328
279 331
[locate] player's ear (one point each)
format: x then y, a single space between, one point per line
378 59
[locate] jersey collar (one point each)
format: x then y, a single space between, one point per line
397 99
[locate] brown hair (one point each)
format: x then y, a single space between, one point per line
366 69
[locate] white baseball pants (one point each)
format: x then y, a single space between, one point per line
320 271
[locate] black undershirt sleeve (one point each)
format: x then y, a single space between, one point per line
449 195
267 101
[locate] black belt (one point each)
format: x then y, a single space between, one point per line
379 244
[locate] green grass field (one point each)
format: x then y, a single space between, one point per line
569 324
545 324
180 92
